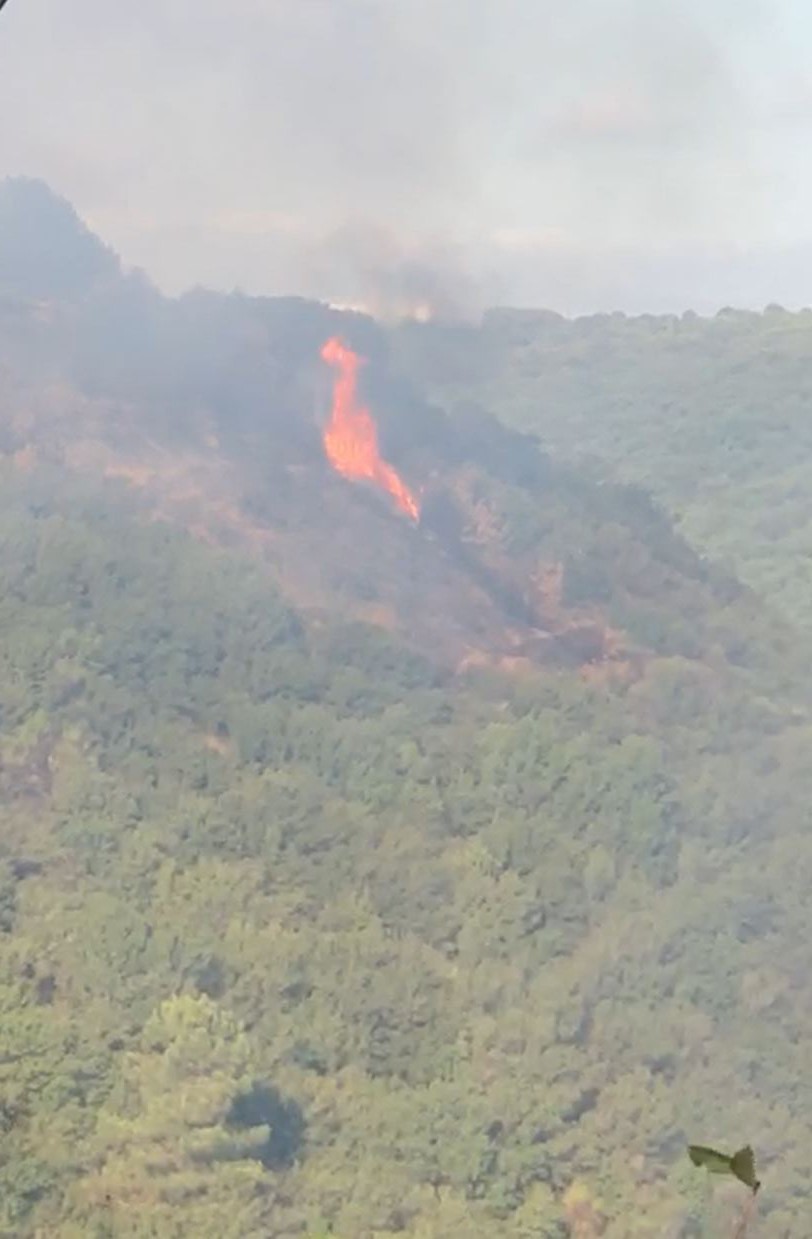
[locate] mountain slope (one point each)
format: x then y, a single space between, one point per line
366 878
494 949
213 408
711 415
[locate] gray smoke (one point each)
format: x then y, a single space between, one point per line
397 152
394 277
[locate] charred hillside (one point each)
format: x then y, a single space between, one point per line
213 409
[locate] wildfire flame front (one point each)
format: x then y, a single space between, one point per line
351 436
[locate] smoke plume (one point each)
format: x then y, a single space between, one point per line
397 152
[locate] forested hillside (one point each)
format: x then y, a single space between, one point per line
361 877
712 416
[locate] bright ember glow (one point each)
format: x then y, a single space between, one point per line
351 436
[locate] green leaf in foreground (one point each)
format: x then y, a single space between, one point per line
741 1164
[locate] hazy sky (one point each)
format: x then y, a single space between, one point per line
582 154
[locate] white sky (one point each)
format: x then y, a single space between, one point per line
583 154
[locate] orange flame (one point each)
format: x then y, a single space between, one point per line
351 436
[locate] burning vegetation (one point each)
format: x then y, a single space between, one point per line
351 436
